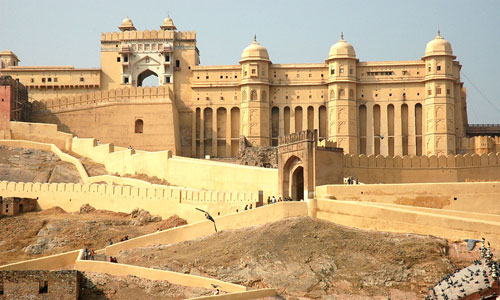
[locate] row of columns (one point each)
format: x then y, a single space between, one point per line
398 132
228 138
305 118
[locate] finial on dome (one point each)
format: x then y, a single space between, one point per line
255 38
341 36
439 32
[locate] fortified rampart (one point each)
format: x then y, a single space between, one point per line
143 118
407 169
180 171
164 201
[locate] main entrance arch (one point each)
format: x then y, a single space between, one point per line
145 74
297 185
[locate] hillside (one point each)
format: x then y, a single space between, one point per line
304 257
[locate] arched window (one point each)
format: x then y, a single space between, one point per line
244 95
263 96
253 95
139 126
341 93
351 94
332 94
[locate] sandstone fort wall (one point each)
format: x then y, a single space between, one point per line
408 169
163 201
181 171
479 197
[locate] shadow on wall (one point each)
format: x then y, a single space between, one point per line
41 114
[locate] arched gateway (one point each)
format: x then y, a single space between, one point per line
299 156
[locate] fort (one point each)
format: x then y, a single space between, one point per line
400 128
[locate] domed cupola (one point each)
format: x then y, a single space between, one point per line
254 52
168 24
127 25
438 46
341 49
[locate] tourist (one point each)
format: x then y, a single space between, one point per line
246 207
92 254
110 242
250 205
279 199
268 200
85 254
217 292
274 199
126 237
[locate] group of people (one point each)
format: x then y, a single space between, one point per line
113 259
274 200
351 180
248 207
88 254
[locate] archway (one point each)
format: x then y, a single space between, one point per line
288 180
148 78
297 186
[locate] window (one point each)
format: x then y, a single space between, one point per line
429 92
438 68
310 75
118 59
221 98
125 80
177 63
298 75
235 76
390 94
438 91
207 98
448 92
32 80
207 77
147 59
55 79
253 71
167 57
404 95
341 70
429 68
246 73
82 79
321 75
43 287
139 126
43 79
350 71
167 79
197 77
332 71
125 58
49 79
221 77
253 95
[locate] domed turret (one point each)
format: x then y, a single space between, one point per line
438 46
127 25
341 49
168 24
254 52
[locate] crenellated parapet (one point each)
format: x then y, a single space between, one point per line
302 136
136 95
147 35
421 162
479 144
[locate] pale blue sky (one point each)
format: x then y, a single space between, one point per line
63 32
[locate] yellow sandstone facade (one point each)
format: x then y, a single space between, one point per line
391 108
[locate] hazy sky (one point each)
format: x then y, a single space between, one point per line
63 32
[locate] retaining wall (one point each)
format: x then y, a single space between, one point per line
481 197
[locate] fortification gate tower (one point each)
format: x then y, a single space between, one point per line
342 107
254 94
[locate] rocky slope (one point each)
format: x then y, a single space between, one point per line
304 257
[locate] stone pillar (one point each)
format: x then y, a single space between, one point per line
193 134
305 122
398 131
214 132
370 145
316 118
281 121
292 119
384 131
202 133
228 132
412 138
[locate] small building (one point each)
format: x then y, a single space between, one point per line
13 206
40 284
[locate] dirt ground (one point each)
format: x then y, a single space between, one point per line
32 165
98 286
53 231
308 258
